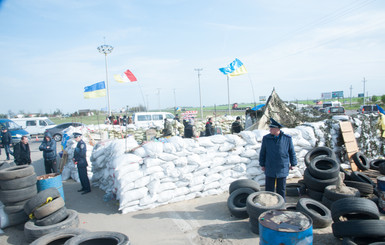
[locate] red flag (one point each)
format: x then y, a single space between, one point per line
130 76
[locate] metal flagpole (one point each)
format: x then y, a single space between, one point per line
252 88
228 94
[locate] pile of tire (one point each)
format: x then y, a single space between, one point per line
259 202
356 218
17 186
362 182
239 190
318 212
81 236
47 213
296 189
332 194
321 172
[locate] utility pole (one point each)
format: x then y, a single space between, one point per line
200 92
158 98
364 89
351 87
174 102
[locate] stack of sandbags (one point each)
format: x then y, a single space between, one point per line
17 186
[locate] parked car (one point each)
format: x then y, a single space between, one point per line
366 109
336 110
151 119
57 131
35 125
15 129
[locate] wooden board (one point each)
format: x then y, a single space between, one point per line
63 161
350 141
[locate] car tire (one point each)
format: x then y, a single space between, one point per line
236 202
49 208
99 237
364 188
16 172
320 214
316 195
353 208
318 184
57 237
363 240
18 183
359 228
254 209
295 189
318 151
361 177
53 218
324 167
14 207
40 199
33 232
14 196
375 164
332 194
244 183
361 161
57 137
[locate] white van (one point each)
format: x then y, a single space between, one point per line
331 103
35 125
151 119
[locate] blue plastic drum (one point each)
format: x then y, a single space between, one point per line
50 180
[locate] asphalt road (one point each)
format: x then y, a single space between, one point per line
199 221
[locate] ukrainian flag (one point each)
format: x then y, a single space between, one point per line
235 68
95 90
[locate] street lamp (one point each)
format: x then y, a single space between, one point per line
106 49
200 94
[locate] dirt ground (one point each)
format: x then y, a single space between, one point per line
199 221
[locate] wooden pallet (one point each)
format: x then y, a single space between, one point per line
350 141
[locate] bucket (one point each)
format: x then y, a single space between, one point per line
285 227
381 193
50 180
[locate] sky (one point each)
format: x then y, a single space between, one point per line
300 48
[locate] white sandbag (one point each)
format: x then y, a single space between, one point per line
167 157
235 139
237 150
240 167
180 161
205 141
226 147
143 181
259 134
169 148
194 159
166 186
153 149
178 143
218 161
252 154
197 180
196 188
165 196
153 186
169 179
130 209
125 170
253 171
141 152
148 199
215 169
66 174
233 159
200 172
132 195
151 162
130 204
181 183
186 176
151 170
190 143
218 139
181 191
249 137
199 150
211 178
212 185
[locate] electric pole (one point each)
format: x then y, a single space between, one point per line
158 98
351 87
364 89
200 92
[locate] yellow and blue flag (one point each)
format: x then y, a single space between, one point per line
95 90
235 68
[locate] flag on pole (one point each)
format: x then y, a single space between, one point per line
95 90
380 109
125 77
235 68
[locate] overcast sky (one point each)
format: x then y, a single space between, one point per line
299 47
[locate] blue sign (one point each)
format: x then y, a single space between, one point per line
338 94
362 95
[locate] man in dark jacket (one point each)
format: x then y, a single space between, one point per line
236 127
167 128
276 157
188 129
6 141
49 153
81 162
21 152
209 127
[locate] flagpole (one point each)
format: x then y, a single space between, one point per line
144 101
228 94
106 49
252 88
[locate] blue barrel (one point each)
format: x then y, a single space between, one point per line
285 227
50 180
381 193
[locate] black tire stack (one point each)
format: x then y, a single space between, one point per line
361 182
17 186
48 214
239 190
321 172
332 194
357 218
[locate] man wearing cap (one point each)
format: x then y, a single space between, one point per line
236 127
81 162
276 157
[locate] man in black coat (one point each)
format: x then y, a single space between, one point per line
81 162
48 147
21 152
6 141
209 127
236 127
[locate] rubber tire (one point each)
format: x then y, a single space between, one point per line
18 183
364 188
327 202
316 195
361 177
295 189
331 194
244 183
324 167
381 168
236 202
361 161
318 184
53 218
58 236
255 210
347 173
375 164
40 199
33 232
363 240
320 214
354 208
49 208
291 206
318 151
14 207
57 137
16 172
13 196
359 228
99 237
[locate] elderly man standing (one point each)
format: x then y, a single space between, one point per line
81 162
276 157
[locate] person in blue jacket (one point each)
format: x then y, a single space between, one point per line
276 157
6 141
81 162
48 147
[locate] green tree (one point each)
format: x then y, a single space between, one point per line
383 98
374 98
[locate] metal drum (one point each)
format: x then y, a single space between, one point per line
50 180
285 227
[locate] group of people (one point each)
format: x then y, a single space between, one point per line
118 120
21 151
